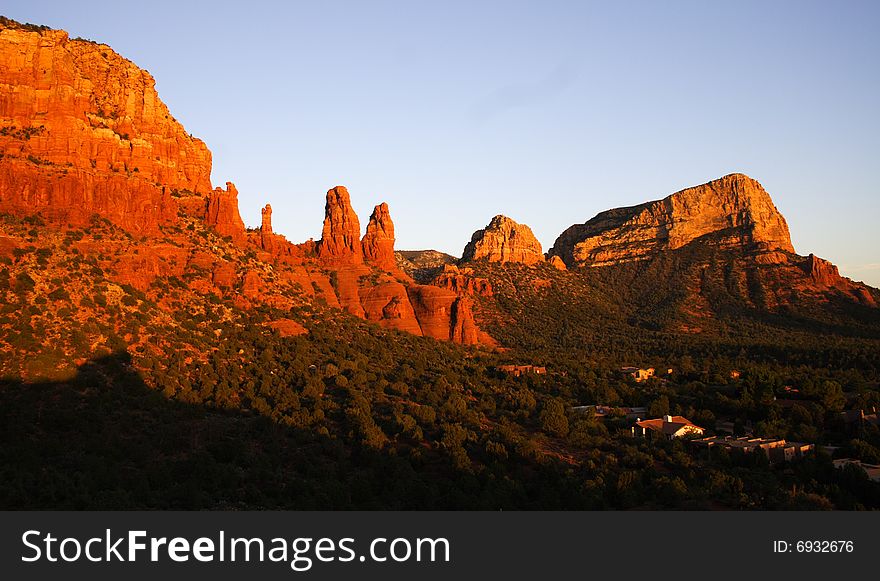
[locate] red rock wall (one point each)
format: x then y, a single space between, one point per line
84 131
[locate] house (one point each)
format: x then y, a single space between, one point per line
669 426
872 470
637 373
859 417
519 370
777 449
790 451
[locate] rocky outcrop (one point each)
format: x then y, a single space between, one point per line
341 236
74 197
278 250
83 132
822 272
222 213
504 240
462 281
443 314
557 263
464 329
287 327
734 211
433 310
267 237
388 305
378 242
224 275
824 276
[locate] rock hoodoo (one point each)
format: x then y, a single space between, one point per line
222 213
733 211
504 240
267 238
378 242
341 236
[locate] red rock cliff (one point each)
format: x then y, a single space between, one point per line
83 131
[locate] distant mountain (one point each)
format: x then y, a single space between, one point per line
732 220
423 265
733 211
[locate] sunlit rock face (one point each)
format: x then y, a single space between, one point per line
83 132
732 211
504 240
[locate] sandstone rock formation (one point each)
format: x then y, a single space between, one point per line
287 327
224 275
731 211
462 281
821 271
83 131
433 309
464 329
557 263
378 242
222 213
824 276
504 240
267 238
341 235
389 305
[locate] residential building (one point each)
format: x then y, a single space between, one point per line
668 426
519 370
638 373
777 449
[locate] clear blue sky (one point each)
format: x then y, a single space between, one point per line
548 112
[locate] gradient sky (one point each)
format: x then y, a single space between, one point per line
548 112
